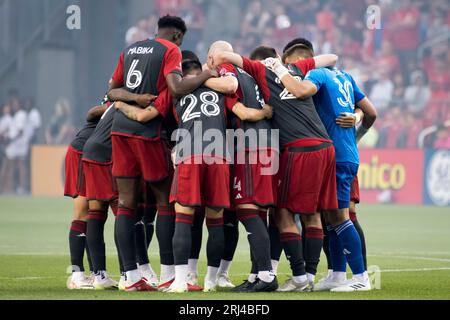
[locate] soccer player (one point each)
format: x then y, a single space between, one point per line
149 66
307 170
75 188
336 93
253 190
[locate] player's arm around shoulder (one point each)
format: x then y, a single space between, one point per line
226 83
136 113
370 115
253 115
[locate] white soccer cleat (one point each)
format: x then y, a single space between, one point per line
104 282
354 284
224 281
192 279
291 286
79 284
328 283
122 283
177 288
151 278
210 286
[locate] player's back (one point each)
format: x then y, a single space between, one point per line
200 114
337 93
145 64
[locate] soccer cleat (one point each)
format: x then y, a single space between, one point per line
192 278
122 283
165 285
328 283
262 286
246 286
151 278
79 284
354 284
104 282
223 281
177 288
210 286
194 288
141 285
291 286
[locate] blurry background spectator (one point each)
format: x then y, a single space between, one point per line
60 129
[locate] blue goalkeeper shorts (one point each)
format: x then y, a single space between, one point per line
345 173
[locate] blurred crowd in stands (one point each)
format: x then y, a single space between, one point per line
20 124
402 64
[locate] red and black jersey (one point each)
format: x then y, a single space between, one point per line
248 93
142 68
202 124
295 118
83 135
98 147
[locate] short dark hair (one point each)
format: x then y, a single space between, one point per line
263 52
190 65
188 55
169 21
296 41
299 50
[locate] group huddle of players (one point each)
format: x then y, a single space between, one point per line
124 159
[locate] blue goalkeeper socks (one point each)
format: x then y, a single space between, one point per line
337 256
350 246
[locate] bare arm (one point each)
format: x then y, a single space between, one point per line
326 60
96 112
121 94
225 85
136 113
370 116
253 115
180 86
228 57
300 89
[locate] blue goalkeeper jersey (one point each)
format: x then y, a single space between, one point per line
337 92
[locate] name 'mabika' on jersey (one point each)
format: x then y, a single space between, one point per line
142 69
337 92
202 125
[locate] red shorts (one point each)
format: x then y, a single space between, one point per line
308 179
74 184
196 185
251 186
354 191
100 184
139 158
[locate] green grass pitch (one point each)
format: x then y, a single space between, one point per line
410 244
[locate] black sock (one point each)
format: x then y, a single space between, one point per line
182 238
77 244
126 220
258 237
95 238
119 253
197 234
326 248
292 245
141 243
216 241
275 244
88 254
149 222
362 237
165 228
231 231
313 247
